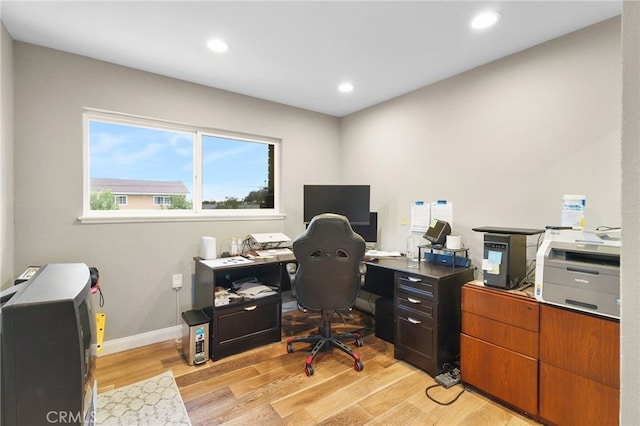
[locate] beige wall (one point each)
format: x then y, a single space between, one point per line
630 290
136 261
502 142
6 159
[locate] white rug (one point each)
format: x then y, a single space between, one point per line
155 401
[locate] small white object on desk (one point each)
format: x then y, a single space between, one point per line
380 253
274 252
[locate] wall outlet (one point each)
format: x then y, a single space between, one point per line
176 281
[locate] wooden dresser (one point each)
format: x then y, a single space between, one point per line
499 345
557 365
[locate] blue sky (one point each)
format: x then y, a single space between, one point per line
230 167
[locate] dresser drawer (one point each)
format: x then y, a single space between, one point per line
419 286
505 374
506 308
498 333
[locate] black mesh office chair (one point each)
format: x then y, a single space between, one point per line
327 280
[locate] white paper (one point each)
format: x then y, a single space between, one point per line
226 262
442 210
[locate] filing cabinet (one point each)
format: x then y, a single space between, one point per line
499 345
427 311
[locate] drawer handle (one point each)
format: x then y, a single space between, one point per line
412 300
414 280
412 321
250 308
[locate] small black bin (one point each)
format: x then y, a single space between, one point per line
384 319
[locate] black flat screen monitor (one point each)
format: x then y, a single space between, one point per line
369 232
351 201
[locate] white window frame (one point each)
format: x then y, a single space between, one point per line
119 197
164 215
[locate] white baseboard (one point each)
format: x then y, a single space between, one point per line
131 342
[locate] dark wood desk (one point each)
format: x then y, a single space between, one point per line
426 298
242 324
426 309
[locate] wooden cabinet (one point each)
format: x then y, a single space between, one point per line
427 311
499 345
243 324
579 368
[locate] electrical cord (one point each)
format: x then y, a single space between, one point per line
179 337
447 368
426 391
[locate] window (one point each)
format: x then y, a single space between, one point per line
160 200
143 168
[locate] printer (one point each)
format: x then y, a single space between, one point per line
579 270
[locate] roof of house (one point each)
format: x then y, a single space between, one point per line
139 186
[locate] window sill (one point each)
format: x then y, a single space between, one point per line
178 218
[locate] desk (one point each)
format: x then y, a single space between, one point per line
426 309
426 306
242 324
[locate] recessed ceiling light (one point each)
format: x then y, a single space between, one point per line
217 45
485 20
345 87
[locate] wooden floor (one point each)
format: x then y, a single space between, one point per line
268 386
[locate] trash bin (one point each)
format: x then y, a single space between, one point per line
195 337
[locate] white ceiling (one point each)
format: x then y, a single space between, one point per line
297 52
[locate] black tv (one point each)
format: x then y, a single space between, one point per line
369 232
48 348
351 201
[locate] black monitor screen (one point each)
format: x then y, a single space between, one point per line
437 232
351 201
369 232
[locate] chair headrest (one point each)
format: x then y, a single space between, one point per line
330 232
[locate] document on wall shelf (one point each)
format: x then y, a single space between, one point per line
381 253
419 216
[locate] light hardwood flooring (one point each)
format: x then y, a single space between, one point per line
268 386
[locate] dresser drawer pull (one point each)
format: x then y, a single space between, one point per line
412 300
412 321
414 280
250 308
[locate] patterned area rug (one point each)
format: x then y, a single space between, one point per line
155 401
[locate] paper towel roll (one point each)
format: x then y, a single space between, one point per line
208 248
454 242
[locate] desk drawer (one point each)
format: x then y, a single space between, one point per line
420 286
415 339
238 328
408 302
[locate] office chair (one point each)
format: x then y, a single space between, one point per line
327 280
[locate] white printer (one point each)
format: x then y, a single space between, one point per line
579 270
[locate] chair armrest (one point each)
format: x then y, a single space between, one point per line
362 268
